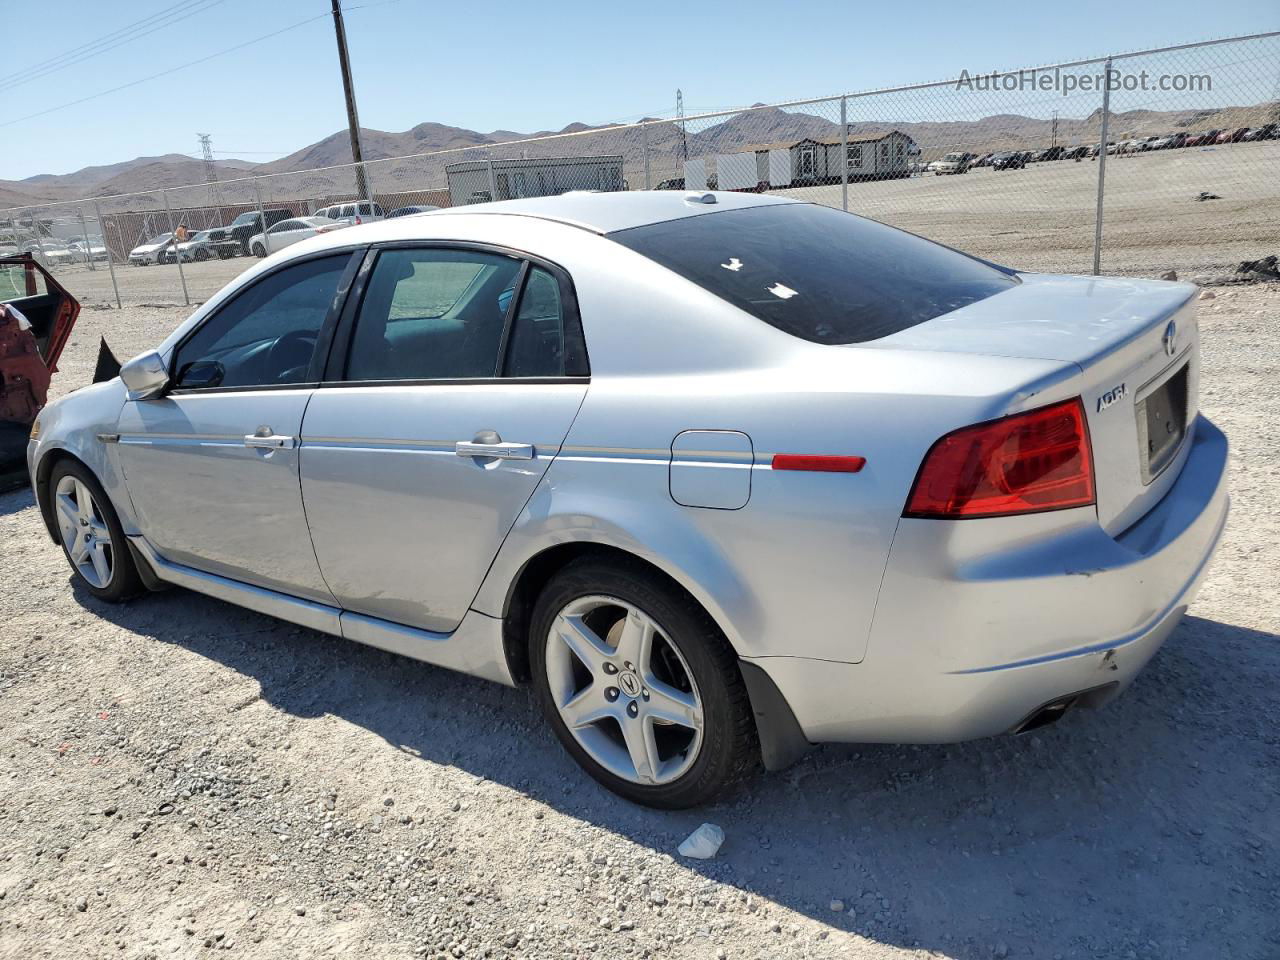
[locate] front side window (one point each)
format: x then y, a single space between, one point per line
433 314
817 273
267 335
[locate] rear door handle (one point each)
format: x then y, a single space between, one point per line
499 450
270 441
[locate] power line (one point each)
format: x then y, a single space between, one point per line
110 41
165 73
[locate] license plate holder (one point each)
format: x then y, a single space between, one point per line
1162 422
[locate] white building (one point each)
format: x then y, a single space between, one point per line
478 181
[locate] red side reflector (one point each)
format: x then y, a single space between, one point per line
1027 463
819 464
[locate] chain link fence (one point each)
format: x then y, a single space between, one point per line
1134 164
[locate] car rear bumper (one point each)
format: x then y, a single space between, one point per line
969 642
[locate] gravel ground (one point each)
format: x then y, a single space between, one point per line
179 776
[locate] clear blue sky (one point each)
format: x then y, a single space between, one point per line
519 66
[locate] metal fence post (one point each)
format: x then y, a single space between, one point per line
1102 167
493 183
644 140
35 232
262 219
111 263
844 154
177 257
88 247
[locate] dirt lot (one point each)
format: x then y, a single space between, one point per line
179 777
1040 218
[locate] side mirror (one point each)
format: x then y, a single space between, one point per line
200 375
145 376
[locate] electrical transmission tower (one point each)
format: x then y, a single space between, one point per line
210 171
684 141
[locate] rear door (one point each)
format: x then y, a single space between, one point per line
454 382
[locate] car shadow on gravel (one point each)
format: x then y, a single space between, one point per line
15 500
1097 837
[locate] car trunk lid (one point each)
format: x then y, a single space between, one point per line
1136 344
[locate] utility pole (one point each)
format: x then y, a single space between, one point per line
1053 141
353 119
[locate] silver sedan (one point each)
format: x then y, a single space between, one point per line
720 475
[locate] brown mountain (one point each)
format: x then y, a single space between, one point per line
302 176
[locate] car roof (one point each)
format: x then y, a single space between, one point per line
611 211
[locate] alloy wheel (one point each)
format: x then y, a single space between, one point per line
85 533
624 690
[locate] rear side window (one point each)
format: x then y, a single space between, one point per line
818 273
432 314
536 347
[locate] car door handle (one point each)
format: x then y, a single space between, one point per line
499 450
270 441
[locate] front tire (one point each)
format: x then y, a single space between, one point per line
639 684
92 538
259 250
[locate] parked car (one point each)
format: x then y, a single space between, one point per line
409 211
953 163
202 246
243 228
1052 153
1010 160
87 252
1075 153
1202 139
288 232
1267 131
54 253
145 254
1233 136
573 431
675 183
1170 142
352 213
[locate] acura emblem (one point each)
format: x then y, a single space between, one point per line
1170 338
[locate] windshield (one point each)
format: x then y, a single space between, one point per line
817 273
244 219
953 157
160 239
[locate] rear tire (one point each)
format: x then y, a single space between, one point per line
685 695
92 538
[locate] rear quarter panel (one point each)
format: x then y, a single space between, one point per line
796 571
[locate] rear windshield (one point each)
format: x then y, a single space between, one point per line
815 272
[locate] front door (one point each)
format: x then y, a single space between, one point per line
463 375
212 465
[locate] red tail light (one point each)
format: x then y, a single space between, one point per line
1027 463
